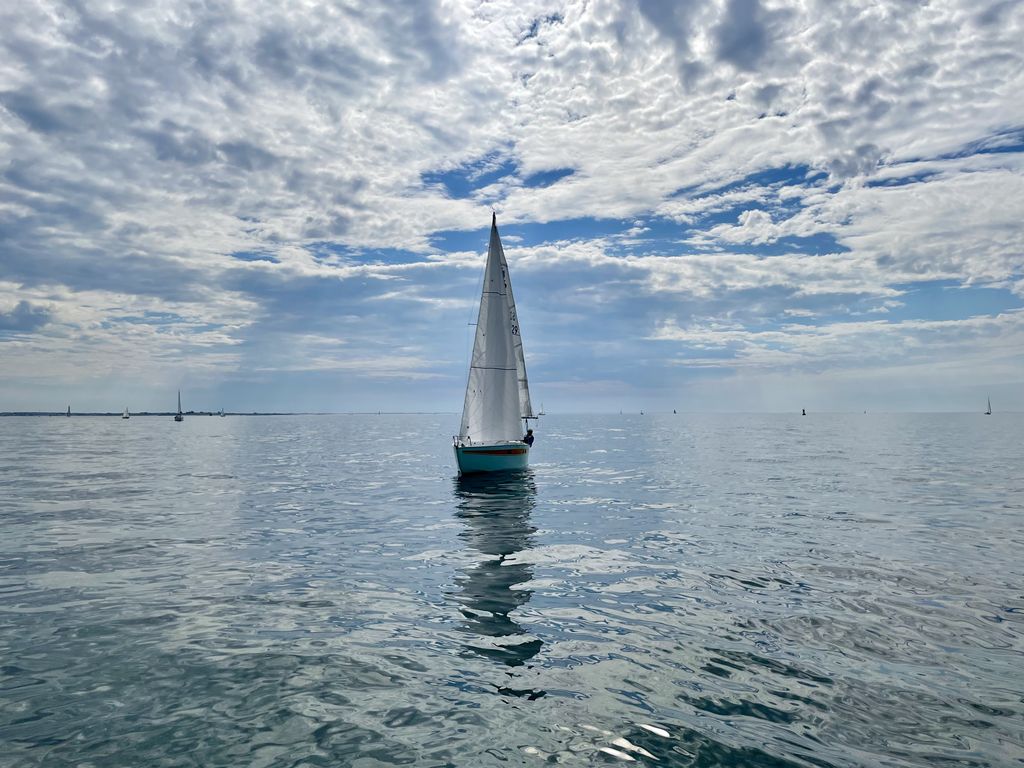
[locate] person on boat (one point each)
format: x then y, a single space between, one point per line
528 437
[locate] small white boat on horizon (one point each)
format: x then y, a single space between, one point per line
497 393
125 415
179 416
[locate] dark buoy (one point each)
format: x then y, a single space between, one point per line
803 411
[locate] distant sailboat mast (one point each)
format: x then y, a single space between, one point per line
988 411
69 410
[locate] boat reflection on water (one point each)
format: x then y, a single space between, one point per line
495 511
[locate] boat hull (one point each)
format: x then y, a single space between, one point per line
501 457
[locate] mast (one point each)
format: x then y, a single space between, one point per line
179 401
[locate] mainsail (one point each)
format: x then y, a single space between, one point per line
497 393
525 408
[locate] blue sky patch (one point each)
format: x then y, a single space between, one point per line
795 175
902 181
255 256
547 178
1010 140
150 318
460 183
948 300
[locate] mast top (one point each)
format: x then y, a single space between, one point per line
494 219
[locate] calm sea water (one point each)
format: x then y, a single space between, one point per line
835 590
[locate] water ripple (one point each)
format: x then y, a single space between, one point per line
671 590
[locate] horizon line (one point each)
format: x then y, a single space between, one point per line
637 412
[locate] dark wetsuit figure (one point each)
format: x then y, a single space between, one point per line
528 437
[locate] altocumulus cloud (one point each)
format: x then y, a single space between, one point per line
286 208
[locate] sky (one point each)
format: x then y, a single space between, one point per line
713 205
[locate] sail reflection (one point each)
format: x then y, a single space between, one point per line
495 510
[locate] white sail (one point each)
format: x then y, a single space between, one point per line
525 408
497 376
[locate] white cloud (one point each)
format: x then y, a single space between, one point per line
959 344
141 146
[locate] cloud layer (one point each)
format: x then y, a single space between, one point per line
286 208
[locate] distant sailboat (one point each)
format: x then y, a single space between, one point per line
221 414
125 415
69 411
178 416
497 392
988 412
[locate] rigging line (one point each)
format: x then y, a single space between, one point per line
475 315
490 368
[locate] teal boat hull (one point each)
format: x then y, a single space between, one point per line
501 457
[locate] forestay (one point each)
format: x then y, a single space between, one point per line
497 393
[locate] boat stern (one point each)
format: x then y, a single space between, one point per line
499 457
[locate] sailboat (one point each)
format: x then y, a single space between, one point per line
125 415
221 414
989 411
497 392
178 416
69 411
